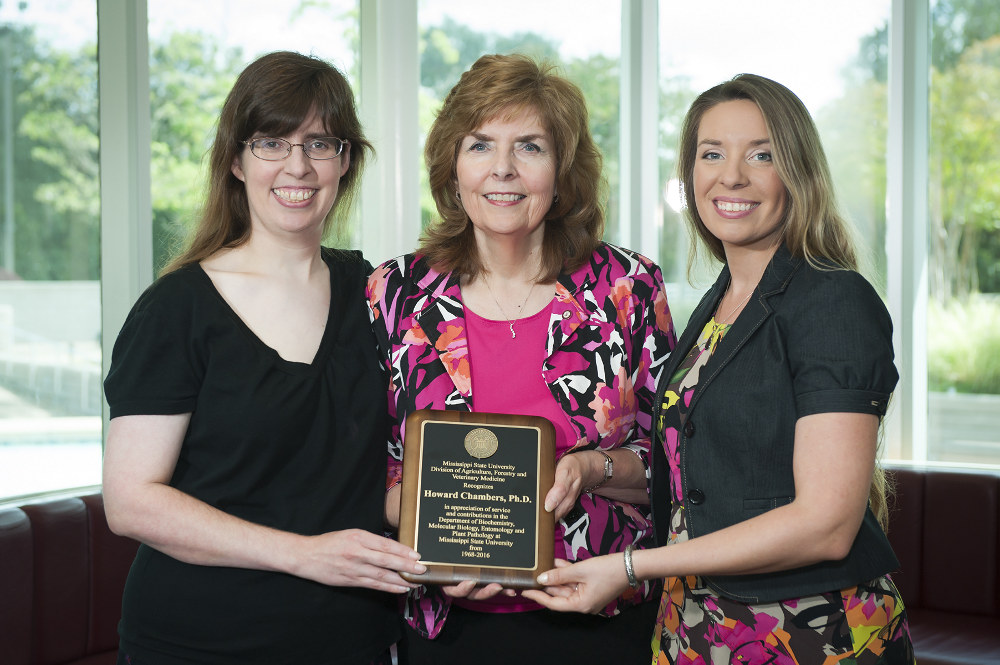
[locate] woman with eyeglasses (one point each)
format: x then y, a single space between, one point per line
248 410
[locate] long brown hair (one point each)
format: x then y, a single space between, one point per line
500 86
274 95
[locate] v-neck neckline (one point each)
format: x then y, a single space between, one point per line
294 365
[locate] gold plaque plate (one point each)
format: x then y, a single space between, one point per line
472 497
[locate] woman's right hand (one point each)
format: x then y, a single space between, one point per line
358 558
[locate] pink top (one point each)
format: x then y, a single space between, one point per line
506 378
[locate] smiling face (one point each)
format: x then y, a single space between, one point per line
293 195
506 172
738 193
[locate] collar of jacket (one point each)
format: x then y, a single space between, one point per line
441 315
774 281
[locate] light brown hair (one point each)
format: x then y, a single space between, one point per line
501 86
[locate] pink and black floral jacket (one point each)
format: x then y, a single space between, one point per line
609 334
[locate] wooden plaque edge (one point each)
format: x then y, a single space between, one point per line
449 574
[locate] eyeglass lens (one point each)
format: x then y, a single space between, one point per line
276 149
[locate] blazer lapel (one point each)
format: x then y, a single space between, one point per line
774 281
757 310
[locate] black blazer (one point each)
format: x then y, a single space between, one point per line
808 341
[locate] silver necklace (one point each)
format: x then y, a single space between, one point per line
719 322
510 322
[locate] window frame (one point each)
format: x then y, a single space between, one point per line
907 223
390 224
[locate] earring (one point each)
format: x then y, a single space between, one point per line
555 199
458 195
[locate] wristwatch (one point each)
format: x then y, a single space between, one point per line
609 470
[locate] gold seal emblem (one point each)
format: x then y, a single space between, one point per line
481 442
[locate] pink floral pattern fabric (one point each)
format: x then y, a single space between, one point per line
610 331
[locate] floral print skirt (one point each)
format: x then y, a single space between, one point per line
862 625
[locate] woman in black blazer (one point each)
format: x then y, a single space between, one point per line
765 488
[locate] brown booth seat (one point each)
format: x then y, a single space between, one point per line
62 572
944 525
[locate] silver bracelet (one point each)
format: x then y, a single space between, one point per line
629 570
608 472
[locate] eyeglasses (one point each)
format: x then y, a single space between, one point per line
275 150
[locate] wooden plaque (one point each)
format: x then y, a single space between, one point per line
473 490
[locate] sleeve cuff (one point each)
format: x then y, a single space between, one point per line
843 401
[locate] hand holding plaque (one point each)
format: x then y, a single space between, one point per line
472 494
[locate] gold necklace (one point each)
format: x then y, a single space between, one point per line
510 322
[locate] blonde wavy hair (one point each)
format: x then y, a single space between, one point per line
811 227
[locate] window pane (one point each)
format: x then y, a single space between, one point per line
843 83
454 34
196 50
963 321
50 316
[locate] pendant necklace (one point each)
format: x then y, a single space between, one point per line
510 322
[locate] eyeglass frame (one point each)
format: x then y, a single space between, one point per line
344 143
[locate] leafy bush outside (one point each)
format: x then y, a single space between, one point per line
963 345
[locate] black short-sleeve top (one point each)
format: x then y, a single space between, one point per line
290 445
811 339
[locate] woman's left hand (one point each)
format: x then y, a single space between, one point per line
571 473
585 586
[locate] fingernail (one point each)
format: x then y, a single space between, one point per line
420 568
543 578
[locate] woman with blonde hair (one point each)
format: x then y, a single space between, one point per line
512 304
767 416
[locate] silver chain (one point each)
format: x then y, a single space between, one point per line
510 322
